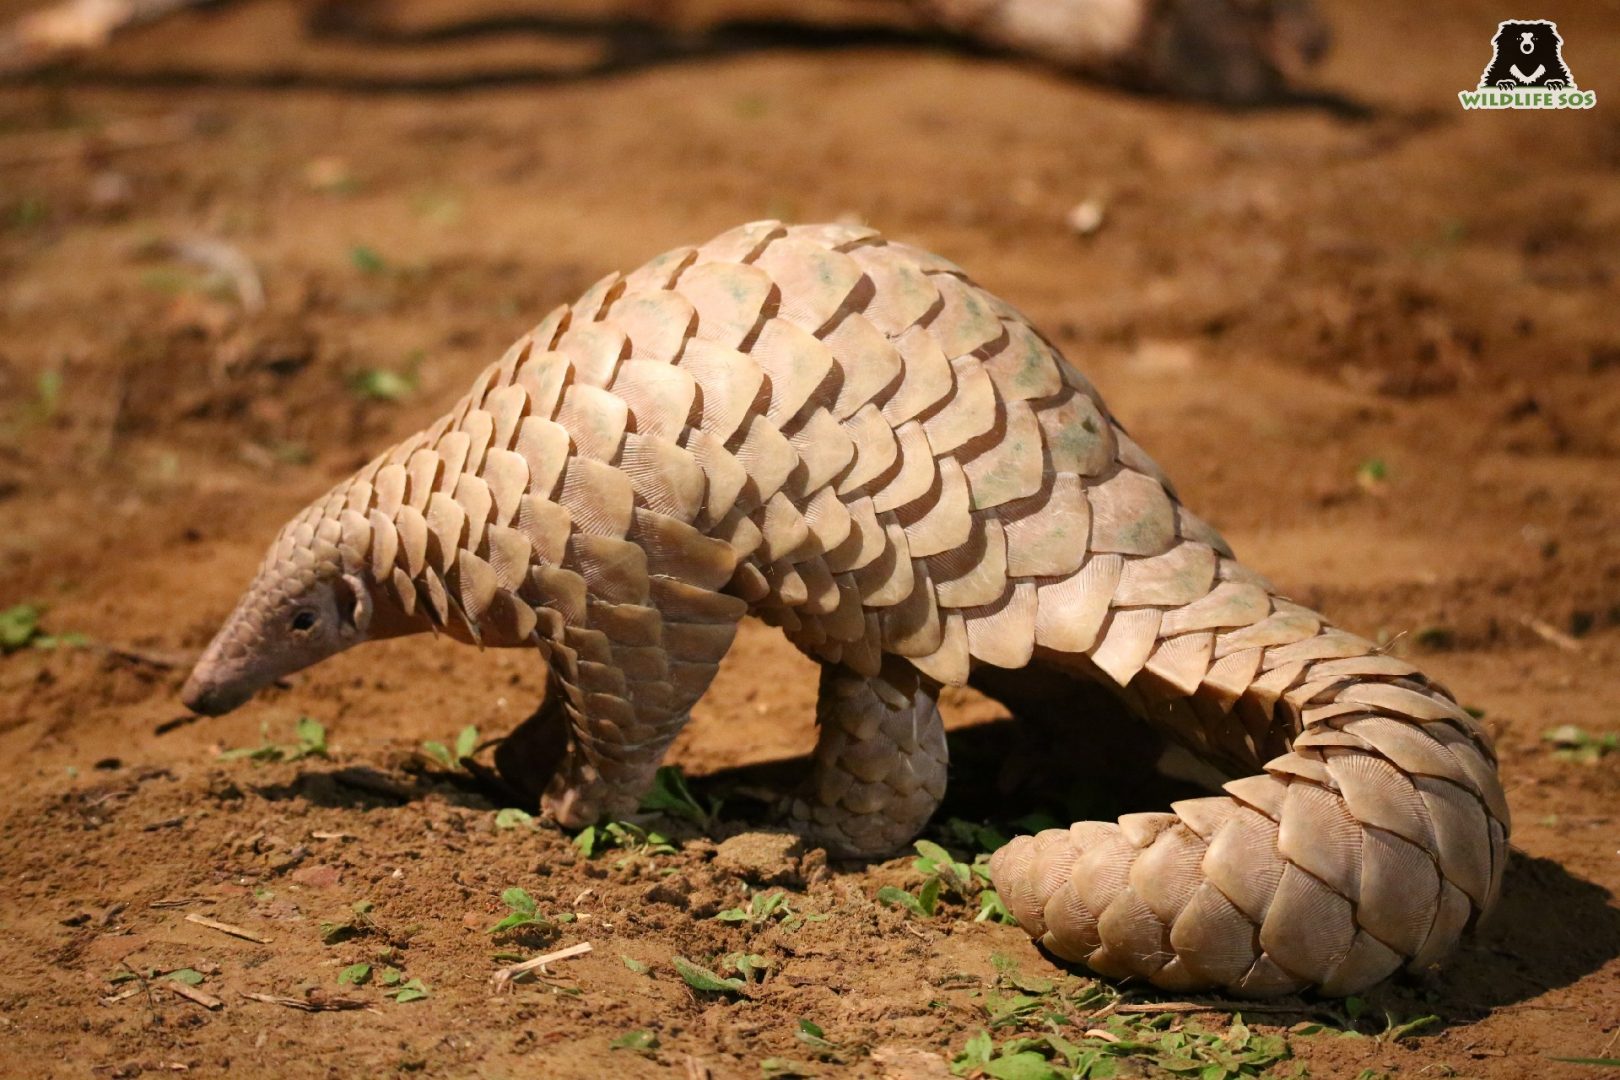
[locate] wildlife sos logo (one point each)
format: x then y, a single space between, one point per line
1527 71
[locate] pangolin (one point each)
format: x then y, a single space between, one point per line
849 439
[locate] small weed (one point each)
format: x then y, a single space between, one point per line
630 838
923 903
20 629
189 976
642 1042
748 965
410 990
702 979
761 909
366 260
1155 1040
510 817
359 922
811 1035
465 745
671 795
383 384
635 966
1571 743
355 975
949 877
47 394
522 911
1372 474
311 736
30 212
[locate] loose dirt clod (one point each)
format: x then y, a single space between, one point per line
762 858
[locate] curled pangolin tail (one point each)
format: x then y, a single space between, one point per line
1373 842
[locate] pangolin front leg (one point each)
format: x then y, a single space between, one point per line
878 771
851 440
627 689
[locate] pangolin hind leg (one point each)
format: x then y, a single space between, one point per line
879 763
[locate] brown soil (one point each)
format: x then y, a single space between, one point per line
1274 300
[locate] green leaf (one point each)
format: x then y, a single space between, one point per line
928 897
671 795
1025 1065
585 841
18 625
411 991
517 919
977 1050
391 976
189 976
467 742
897 897
992 908
643 1042
811 1035
519 900
311 737
633 964
511 817
701 978
1401 1031
932 856
746 964
355 975
366 260
440 753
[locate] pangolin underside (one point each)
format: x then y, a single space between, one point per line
849 439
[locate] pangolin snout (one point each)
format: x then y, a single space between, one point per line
208 699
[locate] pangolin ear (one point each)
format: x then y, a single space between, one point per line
353 603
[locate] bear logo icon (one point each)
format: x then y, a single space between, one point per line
1528 54
1527 71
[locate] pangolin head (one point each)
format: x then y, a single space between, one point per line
303 607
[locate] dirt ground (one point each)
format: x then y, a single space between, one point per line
1373 338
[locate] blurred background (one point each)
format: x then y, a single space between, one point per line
244 246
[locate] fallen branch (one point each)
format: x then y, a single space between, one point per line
503 978
227 928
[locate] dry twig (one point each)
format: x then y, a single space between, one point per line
191 993
227 928
503 978
313 1003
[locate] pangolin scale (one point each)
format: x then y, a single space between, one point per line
849 439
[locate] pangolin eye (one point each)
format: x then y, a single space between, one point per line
304 620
